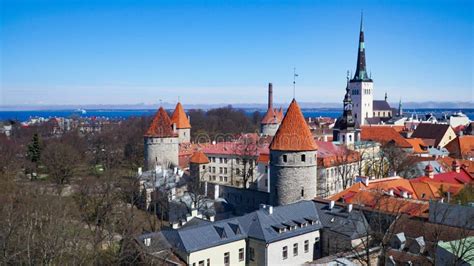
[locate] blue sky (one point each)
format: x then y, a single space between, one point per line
128 52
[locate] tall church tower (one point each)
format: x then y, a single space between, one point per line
292 160
344 129
361 86
161 142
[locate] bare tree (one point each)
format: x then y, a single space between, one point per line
61 161
246 150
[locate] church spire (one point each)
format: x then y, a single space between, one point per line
361 69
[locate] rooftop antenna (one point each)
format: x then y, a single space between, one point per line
294 82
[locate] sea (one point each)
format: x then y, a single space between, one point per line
123 114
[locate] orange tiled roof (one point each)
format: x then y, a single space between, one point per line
447 161
422 188
293 133
384 134
179 117
417 145
161 125
199 158
271 117
263 158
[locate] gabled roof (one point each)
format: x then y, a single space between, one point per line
418 145
161 126
431 131
293 133
463 177
263 226
461 147
384 134
351 224
179 117
381 105
199 157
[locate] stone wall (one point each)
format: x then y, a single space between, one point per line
269 129
294 179
184 135
161 151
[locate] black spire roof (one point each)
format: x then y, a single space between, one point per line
361 70
346 121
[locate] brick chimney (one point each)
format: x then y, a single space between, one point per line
429 171
456 166
270 95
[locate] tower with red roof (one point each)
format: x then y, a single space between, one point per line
161 142
180 124
292 160
272 118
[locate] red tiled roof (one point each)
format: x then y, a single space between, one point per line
161 125
384 134
293 133
179 117
446 162
417 145
263 158
272 116
199 158
235 148
463 177
330 154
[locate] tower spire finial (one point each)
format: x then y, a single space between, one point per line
294 82
362 20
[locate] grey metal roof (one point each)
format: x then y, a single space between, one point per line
206 235
381 105
261 225
351 224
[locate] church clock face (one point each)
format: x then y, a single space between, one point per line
348 107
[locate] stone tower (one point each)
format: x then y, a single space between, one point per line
361 86
197 166
344 129
272 118
292 160
181 125
161 143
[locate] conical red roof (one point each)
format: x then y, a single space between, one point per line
293 133
161 125
199 157
271 117
179 117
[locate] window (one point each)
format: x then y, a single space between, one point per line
285 252
194 263
241 254
225 160
226 259
221 170
350 138
220 178
203 167
252 254
237 171
237 161
266 182
266 169
225 170
306 246
225 178
208 262
303 157
285 158
201 263
302 192
295 249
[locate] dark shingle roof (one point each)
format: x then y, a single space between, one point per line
430 131
351 224
203 236
381 105
261 225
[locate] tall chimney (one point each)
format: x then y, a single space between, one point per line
270 95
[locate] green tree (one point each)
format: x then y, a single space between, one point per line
34 149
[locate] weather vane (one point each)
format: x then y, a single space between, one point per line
294 82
